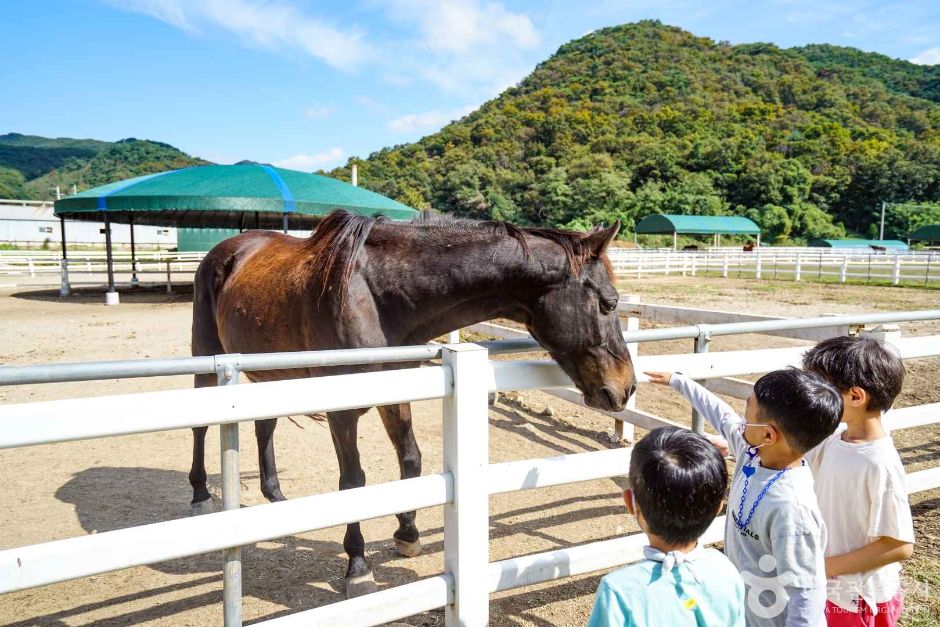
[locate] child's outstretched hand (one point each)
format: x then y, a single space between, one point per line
719 443
661 378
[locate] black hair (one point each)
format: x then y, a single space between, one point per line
848 362
805 408
678 480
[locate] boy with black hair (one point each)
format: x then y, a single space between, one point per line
775 534
860 485
677 484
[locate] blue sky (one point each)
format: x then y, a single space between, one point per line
307 84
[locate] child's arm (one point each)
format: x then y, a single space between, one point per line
608 611
805 606
881 552
718 413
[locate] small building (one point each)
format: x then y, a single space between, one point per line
857 244
32 224
927 233
664 224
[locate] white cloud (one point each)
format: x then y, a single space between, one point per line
471 48
367 102
274 24
457 26
308 163
427 121
316 111
931 56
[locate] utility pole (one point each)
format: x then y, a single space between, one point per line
881 231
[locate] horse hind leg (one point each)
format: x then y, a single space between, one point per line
202 500
344 429
397 421
270 485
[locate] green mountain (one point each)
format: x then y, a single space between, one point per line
645 118
31 166
34 156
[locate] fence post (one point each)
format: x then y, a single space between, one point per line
29 263
227 370
757 268
797 271
843 271
454 337
701 346
667 264
466 456
66 288
724 267
169 281
639 266
897 270
625 430
693 264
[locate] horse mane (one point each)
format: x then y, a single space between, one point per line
337 241
572 243
339 237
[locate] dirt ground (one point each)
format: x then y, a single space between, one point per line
58 491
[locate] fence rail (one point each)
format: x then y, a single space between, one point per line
462 380
798 265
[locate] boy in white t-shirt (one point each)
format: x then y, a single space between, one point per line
860 485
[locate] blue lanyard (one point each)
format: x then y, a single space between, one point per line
748 470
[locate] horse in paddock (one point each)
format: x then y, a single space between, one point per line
369 282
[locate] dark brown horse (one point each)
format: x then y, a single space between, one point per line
364 282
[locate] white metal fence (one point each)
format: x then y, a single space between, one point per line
806 264
463 381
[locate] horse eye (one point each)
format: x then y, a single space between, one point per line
608 306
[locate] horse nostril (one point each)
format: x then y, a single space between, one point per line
631 391
611 397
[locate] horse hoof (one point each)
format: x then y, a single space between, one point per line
408 549
202 507
358 586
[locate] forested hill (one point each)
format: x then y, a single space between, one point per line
31 166
647 118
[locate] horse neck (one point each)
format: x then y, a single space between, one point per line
437 282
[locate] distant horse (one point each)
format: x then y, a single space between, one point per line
368 282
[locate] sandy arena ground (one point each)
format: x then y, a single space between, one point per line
65 490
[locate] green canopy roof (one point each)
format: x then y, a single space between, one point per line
929 233
227 196
702 225
858 243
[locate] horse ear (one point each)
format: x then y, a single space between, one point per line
597 240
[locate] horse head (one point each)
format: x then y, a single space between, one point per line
575 319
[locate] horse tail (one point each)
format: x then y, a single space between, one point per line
213 271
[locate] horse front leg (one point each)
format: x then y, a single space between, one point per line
397 421
270 486
344 428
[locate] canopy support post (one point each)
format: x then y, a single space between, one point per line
111 297
285 222
257 220
675 240
66 288
134 281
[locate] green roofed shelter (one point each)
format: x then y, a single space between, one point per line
926 233
658 223
893 244
227 196
240 196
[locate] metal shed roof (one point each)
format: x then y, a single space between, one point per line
703 225
858 243
928 232
227 196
